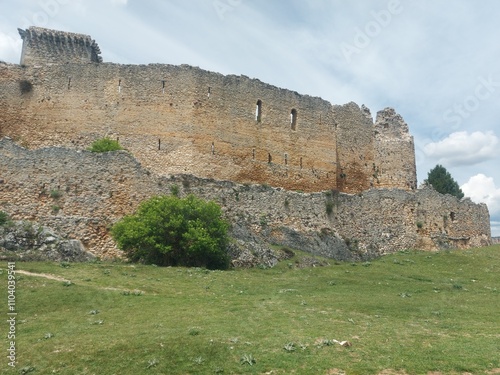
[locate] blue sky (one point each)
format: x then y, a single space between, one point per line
434 61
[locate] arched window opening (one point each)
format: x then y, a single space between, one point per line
258 111
293 119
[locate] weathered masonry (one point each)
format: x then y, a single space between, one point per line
191 128
182 119
50 46
96 189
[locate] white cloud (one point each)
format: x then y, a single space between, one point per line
462 148
482 189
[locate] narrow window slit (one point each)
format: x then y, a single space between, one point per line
293 119
258 111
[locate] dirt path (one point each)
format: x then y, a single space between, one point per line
45 275
57 278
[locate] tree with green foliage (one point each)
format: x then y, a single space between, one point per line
440 179
172 231
105 145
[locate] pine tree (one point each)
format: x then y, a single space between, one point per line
440 179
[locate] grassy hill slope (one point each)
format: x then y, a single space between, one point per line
411 312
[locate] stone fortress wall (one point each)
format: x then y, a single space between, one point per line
95 190
179 122
182 119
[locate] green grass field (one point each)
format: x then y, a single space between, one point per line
407 313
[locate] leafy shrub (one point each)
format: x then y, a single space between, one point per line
329 207
174 190
105 145
170 231
55 194
4 217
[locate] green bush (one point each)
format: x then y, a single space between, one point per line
170 231
55 194
174 190
105 145
329 207
4 217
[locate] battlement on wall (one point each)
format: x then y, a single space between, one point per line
42 46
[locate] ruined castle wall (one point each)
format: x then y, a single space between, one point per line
182 119
394 164
176 119
95 190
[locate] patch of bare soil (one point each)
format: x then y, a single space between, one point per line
335 371
45 275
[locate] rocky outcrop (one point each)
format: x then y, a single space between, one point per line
24 240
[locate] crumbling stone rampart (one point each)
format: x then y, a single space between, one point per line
81 193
